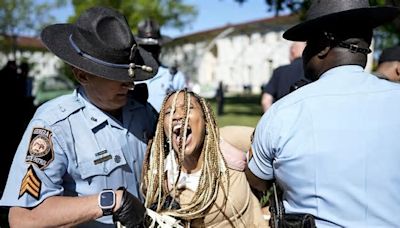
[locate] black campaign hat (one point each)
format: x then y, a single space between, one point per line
101 43
390 54
340 15
149 33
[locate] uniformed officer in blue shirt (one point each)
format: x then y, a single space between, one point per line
168 78
333 145
79 148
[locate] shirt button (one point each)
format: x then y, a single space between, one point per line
117 159
106 170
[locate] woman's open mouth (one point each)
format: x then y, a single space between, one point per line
176 132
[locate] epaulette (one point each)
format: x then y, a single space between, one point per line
59 109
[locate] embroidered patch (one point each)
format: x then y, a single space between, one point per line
31 184
40 150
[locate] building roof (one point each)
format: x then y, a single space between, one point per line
25 42
264 24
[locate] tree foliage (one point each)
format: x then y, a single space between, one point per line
168 13
23 17
279 6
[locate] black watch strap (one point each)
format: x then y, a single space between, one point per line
107 211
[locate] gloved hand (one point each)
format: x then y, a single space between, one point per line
131 214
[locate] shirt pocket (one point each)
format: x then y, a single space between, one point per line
101 165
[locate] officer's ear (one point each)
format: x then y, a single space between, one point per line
324 52
397 76
80 76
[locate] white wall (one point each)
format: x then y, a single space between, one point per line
240 60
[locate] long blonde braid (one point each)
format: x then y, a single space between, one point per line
214 173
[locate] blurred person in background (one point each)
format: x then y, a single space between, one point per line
25 89
284 77
168 78
9 95
220 98
389 64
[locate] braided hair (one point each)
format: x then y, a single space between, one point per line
214 173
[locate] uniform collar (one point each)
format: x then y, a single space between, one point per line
94 115
343 70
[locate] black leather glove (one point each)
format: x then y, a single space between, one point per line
131 214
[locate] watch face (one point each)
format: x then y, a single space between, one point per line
107 199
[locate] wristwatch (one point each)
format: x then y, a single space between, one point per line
107 201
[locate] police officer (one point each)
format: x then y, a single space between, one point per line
389 64
80 148
284 77
323 143
167 79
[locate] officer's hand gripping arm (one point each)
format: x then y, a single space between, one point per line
131 213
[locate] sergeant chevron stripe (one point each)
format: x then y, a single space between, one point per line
31 184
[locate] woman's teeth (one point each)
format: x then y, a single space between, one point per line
177 131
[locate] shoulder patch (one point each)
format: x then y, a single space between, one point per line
31 184
40 151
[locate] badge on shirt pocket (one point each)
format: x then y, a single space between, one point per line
40 151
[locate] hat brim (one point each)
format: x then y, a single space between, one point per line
237 136
56 39
358 18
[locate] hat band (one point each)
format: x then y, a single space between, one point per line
149 41
94 59
354 48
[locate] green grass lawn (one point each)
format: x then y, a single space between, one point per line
239 110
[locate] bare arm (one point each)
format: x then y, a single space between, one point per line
59 211
266 101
